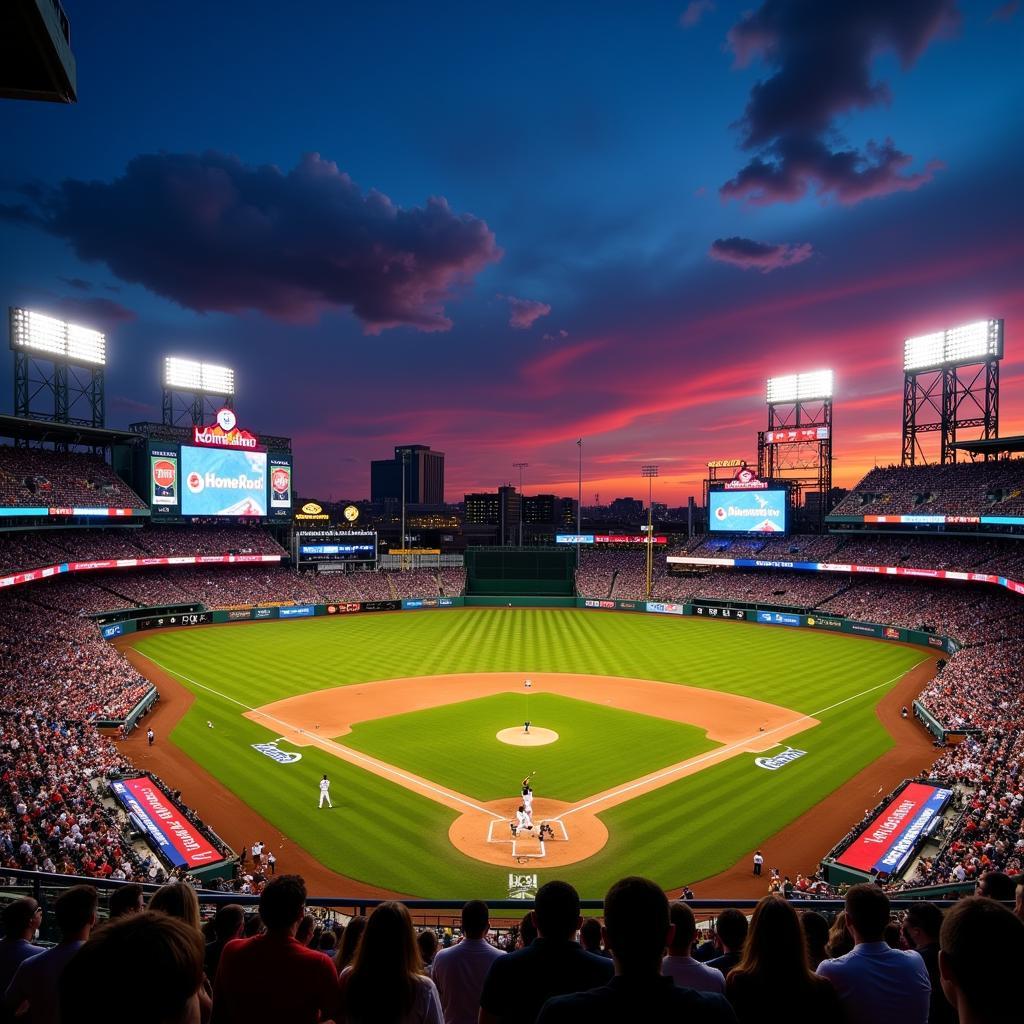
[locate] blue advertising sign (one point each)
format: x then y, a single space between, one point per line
574 538
223 482
779 619
748 511
111 631
296 611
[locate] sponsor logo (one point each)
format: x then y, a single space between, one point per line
263 613
590 603
725 463
342 609
891 633
778 619
864 627
164 473
773 764
239 613
351 513
297 611
522 887
665 608
824 622
111 631
935 641
280 479
280 756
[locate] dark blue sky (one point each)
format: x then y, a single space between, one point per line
646 210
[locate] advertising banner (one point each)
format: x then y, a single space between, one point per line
163 478
779 619
344 608
665 608
796 434
382 606
223 482
748 511
824 621
712 611
109 632
888 842
176 620
280 484
296 611
412 603
574 538
166 828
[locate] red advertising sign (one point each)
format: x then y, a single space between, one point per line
796 434
225 433
623 538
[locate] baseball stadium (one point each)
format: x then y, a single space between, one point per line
275 744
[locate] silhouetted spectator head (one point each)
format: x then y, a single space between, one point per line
476 919
21 918
307 926
327 942
157 961
1018 896
427 942
840 941
229 922
556 910
867 912
996 885
775 945
815 929
349 942
731 928
75 910
177 899
527 929
282 903
922 924
685 925
590 935
125 899
636 924
981 948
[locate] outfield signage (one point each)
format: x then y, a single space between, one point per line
44 510
574 538
165 826
665 608
713 611
934 520
888 842
779 619
850 567
773 764
296 611
280 756
176 620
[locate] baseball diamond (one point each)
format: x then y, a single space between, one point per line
665 726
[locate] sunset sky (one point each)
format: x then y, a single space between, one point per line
495 229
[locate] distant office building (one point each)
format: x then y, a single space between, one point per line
495 508
626 509
424 476
546 508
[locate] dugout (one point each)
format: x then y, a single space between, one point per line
520 572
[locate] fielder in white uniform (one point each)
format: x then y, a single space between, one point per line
325 791
527 793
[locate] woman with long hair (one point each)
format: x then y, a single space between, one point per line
349 942
179 900
385 983
772 983
840 942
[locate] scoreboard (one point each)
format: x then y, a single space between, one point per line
327 547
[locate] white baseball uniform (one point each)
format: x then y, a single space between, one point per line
523 820
325 792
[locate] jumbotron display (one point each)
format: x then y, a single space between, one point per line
762 511
223 482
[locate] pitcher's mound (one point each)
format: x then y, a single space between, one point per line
534 738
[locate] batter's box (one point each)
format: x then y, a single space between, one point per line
499 830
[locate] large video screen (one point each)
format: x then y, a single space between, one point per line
223 482
748 511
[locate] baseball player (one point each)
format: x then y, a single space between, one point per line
527 793
523 819
325 792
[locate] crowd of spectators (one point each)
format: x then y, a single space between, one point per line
32 477
641 961
971 488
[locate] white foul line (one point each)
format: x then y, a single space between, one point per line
349 752
718 751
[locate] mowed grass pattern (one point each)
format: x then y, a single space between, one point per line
384 834
455 745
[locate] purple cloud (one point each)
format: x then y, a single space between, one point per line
750 255
95 311
695 10
524 312
212 233
821 56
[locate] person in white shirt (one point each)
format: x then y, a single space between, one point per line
679 964
523 820
325 792
876 983
459 971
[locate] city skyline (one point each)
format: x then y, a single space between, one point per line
497 233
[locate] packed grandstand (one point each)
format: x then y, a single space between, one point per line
62 681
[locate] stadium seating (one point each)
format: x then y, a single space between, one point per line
31 477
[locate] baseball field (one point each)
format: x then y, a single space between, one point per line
665 759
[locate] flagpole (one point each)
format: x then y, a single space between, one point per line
579 503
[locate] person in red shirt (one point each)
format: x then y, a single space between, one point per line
271 976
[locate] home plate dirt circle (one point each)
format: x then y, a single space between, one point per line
534 738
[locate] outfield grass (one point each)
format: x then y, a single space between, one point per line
682 832
455 745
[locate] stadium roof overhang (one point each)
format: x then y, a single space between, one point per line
25 429
992 445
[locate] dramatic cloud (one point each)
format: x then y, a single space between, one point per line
559 335
96 312
524 312
78 282
822 55
750 255
695 10
213 233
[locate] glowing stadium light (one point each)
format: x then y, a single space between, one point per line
969 343
800 387
47 336
189 375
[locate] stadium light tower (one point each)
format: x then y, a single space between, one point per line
950 383
58 369
650 472
797 446
194 391
520 466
